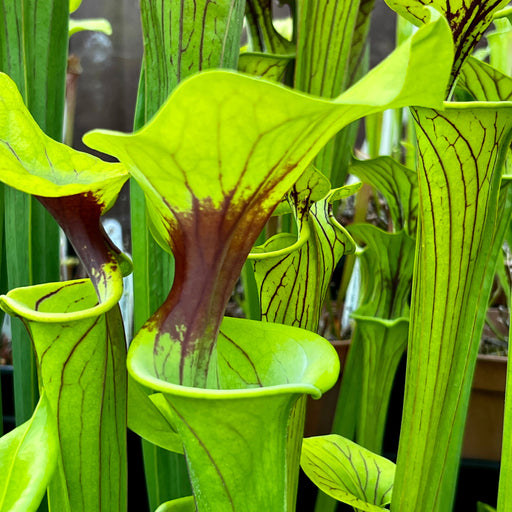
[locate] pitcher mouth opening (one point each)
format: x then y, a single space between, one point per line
274 360
21 301
165 387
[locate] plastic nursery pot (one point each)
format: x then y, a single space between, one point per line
235 437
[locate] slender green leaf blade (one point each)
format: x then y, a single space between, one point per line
45 35
11 42
358 65
28 458
20 273
33 51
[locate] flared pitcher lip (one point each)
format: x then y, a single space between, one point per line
12 306
294 361
162 386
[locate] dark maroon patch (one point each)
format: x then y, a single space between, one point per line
79 217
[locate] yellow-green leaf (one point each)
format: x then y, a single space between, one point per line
348 472
28 457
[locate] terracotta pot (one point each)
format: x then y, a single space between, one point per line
484 425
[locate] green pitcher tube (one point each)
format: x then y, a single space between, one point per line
461 155
236 437
80 351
